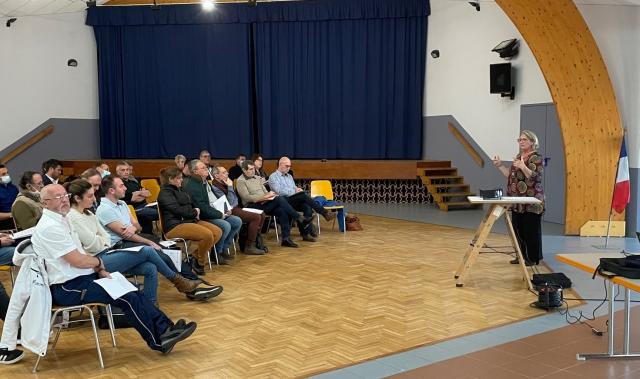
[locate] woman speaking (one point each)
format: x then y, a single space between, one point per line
524 178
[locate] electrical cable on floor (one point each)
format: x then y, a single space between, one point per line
581 316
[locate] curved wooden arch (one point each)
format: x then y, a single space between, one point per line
584 97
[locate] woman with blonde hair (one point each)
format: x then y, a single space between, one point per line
524 178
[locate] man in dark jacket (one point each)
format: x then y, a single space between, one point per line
202 196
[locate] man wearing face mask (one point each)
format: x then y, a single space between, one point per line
8 194
103 169
27 209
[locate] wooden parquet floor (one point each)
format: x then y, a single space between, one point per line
297 312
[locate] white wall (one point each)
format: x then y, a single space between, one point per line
616 29
35 82
457 83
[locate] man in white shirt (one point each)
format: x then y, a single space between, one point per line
72 273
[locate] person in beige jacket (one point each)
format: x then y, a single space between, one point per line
27 208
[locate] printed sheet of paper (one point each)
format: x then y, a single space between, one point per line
176 257
222 204
253 210
117 286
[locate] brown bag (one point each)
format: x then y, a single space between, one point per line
353 223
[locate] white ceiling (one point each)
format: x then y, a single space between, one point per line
17 8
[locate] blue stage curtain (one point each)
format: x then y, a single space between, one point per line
309 79
344 89
174 89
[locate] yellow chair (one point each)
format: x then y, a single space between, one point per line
323 188
10 270
132 210
153 187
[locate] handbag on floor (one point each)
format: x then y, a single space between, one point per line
353 223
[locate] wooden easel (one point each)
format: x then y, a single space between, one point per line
497 208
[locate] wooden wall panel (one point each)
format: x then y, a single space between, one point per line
584 97
303 169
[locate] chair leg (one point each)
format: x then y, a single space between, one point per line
235 249
344 222
55 339
275 222
95 334
111 325
35 367
317 214
215 254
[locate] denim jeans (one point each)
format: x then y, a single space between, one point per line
230 226
146 262
6 255
148 320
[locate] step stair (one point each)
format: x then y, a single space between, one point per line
448 189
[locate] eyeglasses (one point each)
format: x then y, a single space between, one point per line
65 196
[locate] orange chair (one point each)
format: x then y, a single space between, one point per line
153 187
323 188
132 210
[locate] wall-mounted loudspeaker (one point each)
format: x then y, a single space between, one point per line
500 80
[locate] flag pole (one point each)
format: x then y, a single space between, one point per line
615 180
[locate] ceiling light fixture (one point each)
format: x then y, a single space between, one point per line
208 5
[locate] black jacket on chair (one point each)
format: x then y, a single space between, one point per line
176 207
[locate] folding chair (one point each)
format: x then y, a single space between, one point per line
82 307
153 186
323 188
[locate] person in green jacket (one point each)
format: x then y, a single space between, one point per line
202 196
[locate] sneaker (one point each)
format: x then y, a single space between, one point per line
9 357
174 334
204 293
308 238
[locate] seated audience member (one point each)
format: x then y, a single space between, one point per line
137 197
8 194
181 162
27 209
103 169
96 241
71 274
51 170
202 197
257 162
205 157
236 171
180 219
114 215
222 185
94 178
281 182
254 195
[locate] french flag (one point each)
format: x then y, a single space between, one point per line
622 191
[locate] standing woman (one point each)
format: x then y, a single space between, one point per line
524 178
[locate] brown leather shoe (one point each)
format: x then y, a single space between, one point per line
185 285
251 249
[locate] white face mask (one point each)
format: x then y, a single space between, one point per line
5 179
105 173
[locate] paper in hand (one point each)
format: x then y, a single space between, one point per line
117 286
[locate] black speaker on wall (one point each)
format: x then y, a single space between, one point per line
500 80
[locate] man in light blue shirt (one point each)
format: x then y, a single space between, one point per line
281 182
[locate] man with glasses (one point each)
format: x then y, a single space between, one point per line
281 182
255 195
71 274
137 197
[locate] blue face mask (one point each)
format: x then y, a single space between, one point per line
105 173
5 179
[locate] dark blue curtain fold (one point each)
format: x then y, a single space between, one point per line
174 89
346 89
309 79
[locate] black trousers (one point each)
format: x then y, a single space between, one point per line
528 228
280 208
4 302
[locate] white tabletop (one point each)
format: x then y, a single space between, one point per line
504 200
